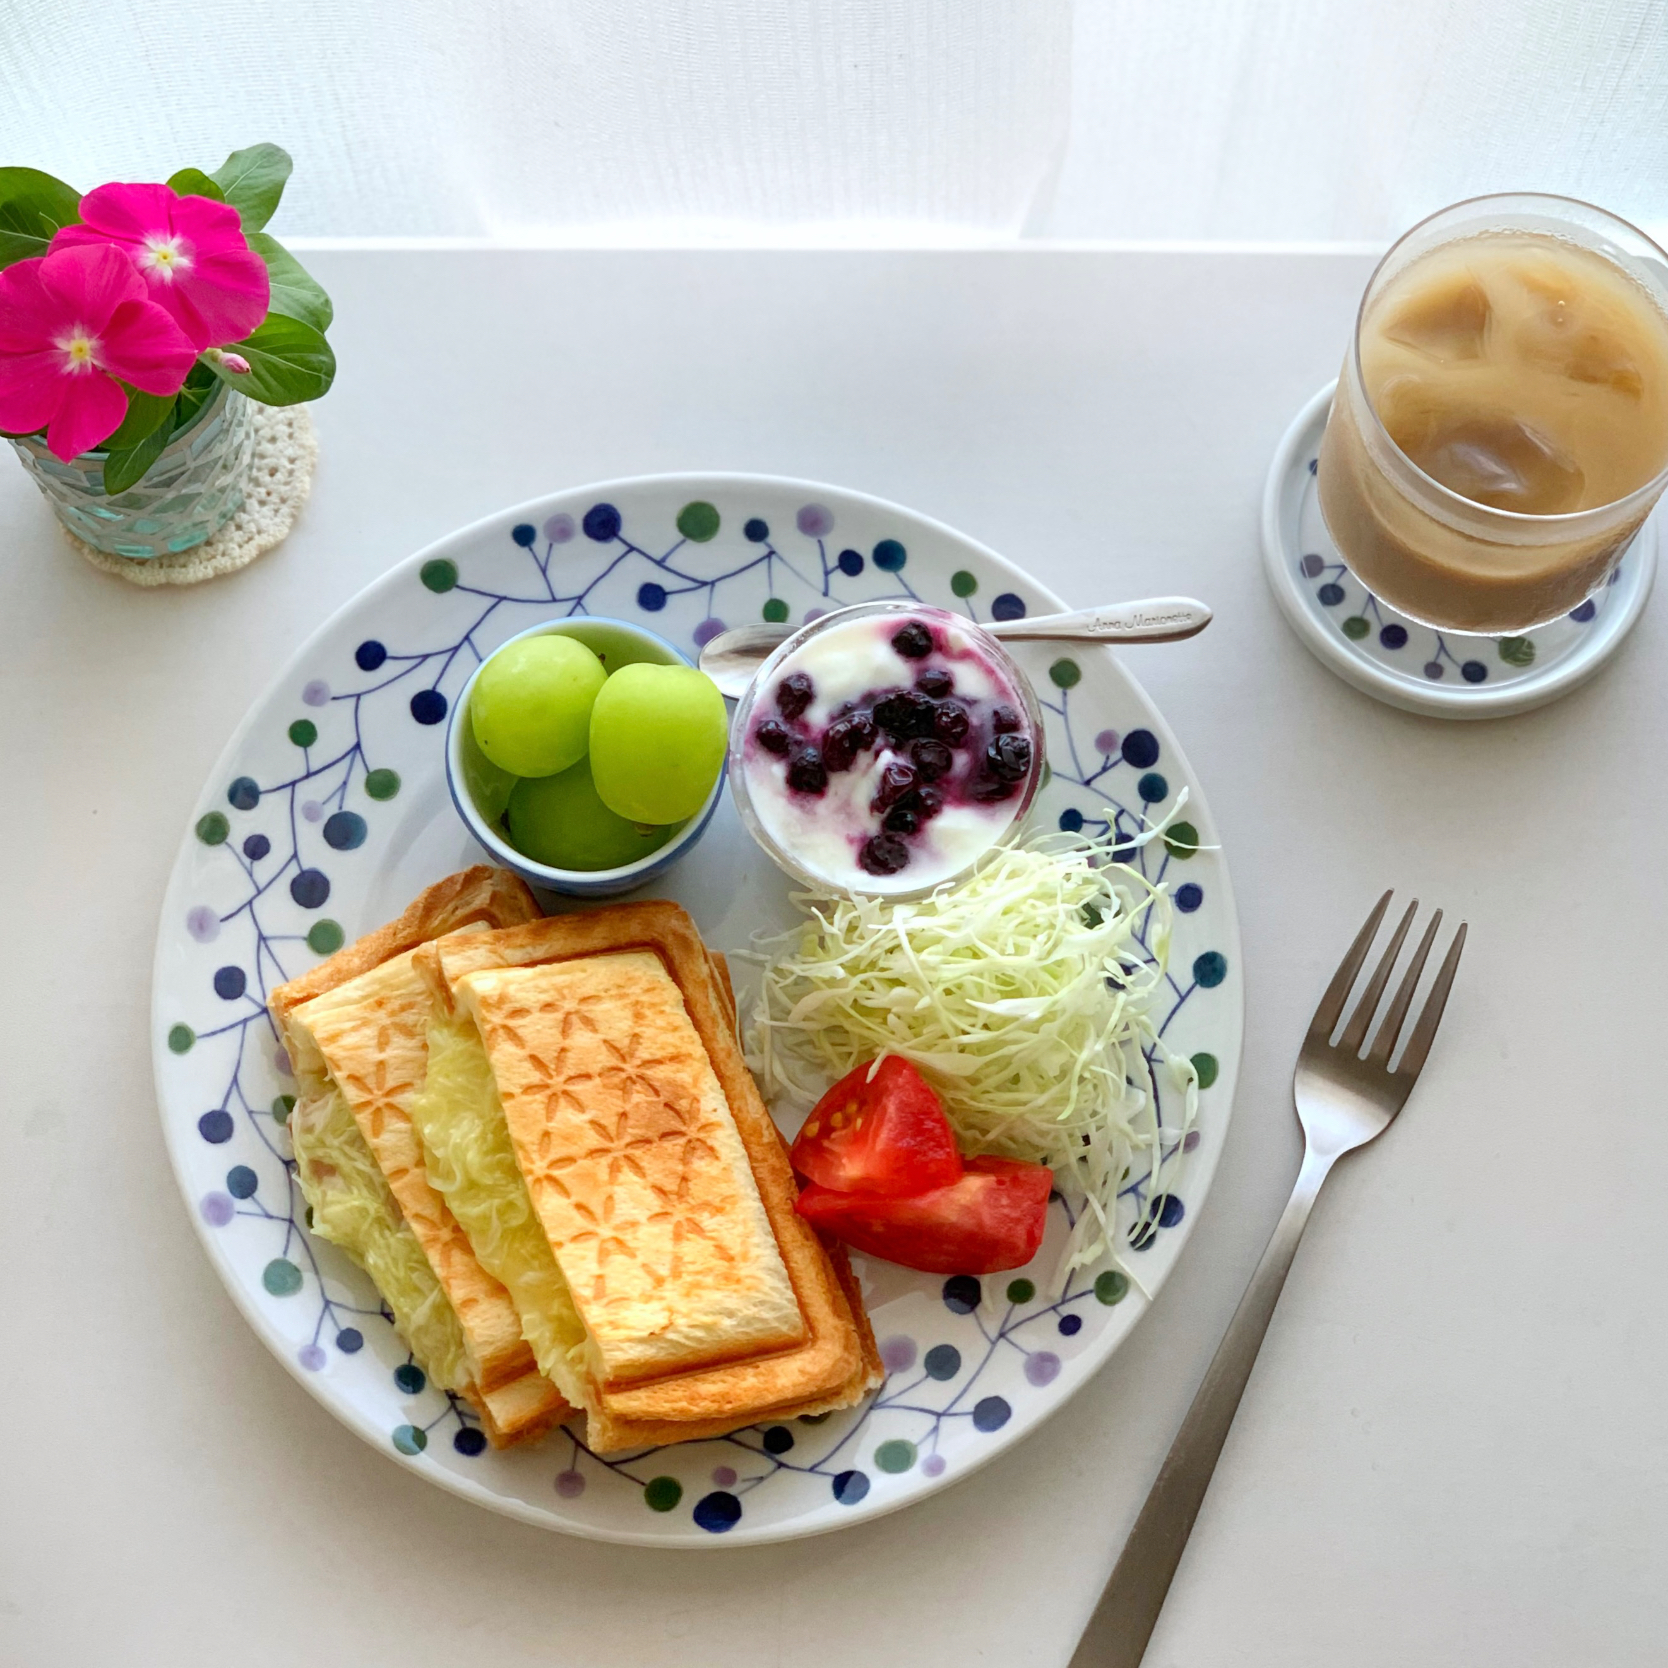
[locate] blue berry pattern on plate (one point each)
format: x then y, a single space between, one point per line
328 812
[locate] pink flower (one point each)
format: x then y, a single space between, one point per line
191 251
71 323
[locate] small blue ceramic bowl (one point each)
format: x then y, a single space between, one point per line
479 788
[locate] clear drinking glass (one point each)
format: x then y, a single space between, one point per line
1481 375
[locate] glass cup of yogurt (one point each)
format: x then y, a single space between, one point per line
885 748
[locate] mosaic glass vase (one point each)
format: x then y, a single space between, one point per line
192 490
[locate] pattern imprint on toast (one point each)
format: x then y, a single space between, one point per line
381 1092
649 1095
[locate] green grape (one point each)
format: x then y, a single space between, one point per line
559 820
531 705
486 785
658 735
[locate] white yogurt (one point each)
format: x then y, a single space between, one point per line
826 818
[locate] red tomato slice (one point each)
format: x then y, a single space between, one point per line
887 1137
993 1218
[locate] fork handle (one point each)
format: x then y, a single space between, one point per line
1118 1631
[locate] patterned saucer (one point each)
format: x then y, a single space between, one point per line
1413 666
329 810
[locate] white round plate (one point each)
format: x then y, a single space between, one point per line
1399 661
329 811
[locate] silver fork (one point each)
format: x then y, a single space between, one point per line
1344 1099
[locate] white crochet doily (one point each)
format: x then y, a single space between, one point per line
280 476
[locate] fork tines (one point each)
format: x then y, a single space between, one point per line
1354 1034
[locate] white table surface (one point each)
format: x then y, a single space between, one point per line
1453 1449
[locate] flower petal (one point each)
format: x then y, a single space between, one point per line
30 314
79 237
217 293
207 225
31 387
91 410
173 300
229 291
144 346
90 283
128 212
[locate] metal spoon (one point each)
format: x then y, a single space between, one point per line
733 657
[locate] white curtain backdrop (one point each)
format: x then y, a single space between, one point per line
864 120
1350 119
517 117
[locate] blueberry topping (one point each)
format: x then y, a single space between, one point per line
845 738
904 714
914 734
773 736
806 774
839 750
950 723
883 854
932 759
1008 758
896 779
917 807
793 694
913 641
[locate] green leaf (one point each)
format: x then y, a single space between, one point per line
253 181
145 414
295 292
288 362
201 384
190 402
126 468
33 206
193 182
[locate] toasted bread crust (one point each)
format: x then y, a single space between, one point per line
608 1434
520 1411
481 894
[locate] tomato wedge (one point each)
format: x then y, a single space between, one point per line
888 1136
992 1218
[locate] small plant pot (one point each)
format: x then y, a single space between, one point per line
192 490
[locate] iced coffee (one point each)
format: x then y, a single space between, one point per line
1501 427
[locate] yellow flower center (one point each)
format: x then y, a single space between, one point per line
164 258
79 349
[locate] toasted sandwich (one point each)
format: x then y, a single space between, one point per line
356 1028
591 1125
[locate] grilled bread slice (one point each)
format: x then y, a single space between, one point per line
356 1027
649 1163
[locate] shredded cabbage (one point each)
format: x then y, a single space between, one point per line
354 1208
470 1162
1024 994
